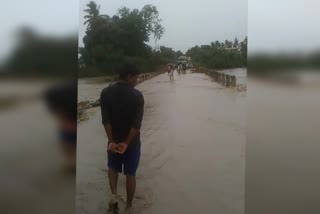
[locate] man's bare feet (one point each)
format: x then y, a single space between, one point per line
129 210
113 206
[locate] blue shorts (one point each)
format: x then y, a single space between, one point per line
129 160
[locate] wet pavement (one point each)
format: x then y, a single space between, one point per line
193 149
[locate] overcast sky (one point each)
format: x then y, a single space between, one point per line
289 25
58 17
186 23
272 25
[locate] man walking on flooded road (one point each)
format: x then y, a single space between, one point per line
122 108
171 71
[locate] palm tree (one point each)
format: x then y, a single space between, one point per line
245 40
217 44
226 44
236 42
93 13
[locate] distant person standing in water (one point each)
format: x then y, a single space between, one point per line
179 68
122 108
170 71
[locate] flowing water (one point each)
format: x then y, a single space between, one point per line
193 149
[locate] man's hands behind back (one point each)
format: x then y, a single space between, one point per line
112 147
120 148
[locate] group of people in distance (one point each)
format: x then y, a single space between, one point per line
172 68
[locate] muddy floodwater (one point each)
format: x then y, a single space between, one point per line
193 149
31 159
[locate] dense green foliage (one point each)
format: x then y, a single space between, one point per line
220 54
110 41
41 55
264 63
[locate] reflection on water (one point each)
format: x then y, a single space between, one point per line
193 150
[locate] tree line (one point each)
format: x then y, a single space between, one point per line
41 55
122 38
219 55
264 64
111 41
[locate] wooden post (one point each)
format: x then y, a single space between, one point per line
215 75
233 81
223 79
228 80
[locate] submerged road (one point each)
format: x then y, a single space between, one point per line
193 150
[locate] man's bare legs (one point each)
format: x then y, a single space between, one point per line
113 180
131 187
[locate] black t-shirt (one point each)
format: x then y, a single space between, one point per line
122 107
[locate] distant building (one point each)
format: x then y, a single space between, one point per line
236 49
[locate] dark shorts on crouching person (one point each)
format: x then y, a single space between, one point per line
128 161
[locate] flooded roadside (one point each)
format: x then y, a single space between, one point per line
90 89
193 150
239 73
31 159
282 169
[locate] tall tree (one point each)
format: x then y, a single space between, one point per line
93 13
228 44
152 21
38 54
121 38
236 42
217 44
244 47
167 52
179 53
